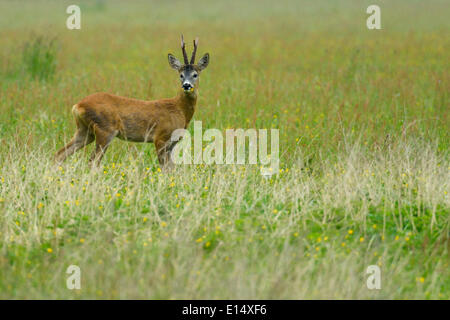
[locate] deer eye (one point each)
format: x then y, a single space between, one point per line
195 75
181 76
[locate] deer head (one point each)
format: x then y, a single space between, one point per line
189 71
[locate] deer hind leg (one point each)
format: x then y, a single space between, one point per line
81 139
102 140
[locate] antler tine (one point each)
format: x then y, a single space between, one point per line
183 49
195 50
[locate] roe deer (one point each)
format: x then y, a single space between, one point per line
103 116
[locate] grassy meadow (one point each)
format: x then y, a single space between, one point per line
364 176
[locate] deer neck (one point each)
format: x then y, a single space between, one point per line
186 102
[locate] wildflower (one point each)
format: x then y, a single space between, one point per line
144 219
350 231
296 234
263 227
343 244
163 224
396 238
275 211
49 250
82 240
361 239
374 226
208 244
199 240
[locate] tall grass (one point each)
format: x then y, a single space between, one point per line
39 58
208 232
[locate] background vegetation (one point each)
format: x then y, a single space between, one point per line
363 118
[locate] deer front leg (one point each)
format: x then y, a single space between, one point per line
102 140
163 149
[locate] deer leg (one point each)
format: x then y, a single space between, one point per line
163 149
102 140
81 139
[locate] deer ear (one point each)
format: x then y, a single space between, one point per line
203 62
174 62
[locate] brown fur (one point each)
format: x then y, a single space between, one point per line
103 116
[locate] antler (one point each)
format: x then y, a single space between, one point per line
183 49
195 50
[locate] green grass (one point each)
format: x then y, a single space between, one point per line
39 58
363 119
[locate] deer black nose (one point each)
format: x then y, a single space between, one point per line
186 86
